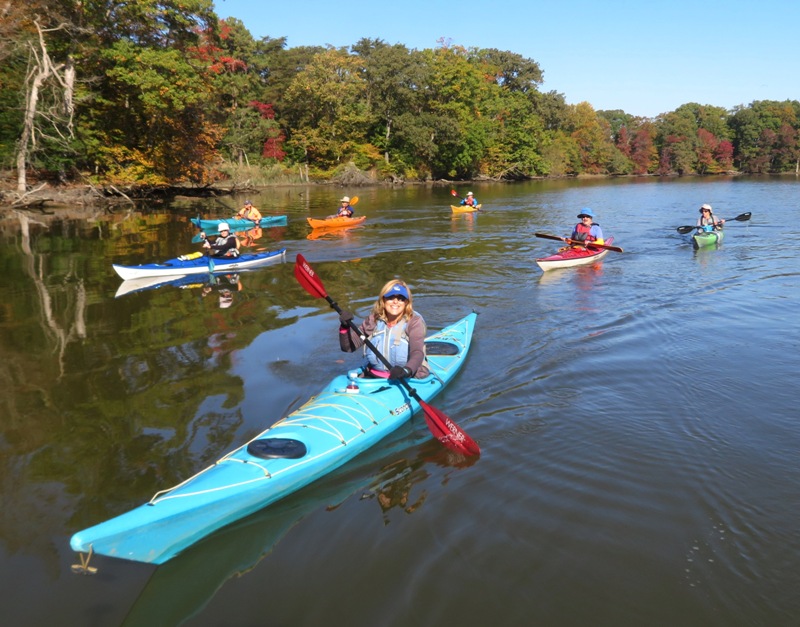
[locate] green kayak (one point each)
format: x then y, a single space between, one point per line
705 239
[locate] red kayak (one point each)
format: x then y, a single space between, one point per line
571 256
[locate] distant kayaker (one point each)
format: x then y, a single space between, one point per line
708 221
225 244
395 329
586 230
249 212
345 210
470 200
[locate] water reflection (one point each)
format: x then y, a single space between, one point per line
224 286
463 222
393 486
337 233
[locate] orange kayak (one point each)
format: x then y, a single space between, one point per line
334 223
464 208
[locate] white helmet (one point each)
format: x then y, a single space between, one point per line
223 226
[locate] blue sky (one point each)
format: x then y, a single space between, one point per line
643 57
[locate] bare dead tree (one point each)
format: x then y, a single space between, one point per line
41 70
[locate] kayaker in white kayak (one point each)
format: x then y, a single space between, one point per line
395 329
225 245
586 230
707 221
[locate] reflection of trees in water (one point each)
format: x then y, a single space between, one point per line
72 301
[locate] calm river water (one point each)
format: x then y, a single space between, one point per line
638 418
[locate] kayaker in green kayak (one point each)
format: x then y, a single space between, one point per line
396 330
708 222
586 230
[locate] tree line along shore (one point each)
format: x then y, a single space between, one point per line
132 104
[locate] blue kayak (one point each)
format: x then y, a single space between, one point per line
237 224
197 263
322 435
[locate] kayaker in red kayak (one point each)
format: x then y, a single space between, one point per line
586 230
707 221
395 329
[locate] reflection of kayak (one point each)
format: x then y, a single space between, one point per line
182 281
239 224
198 265
154 282
573 256
465 208
326 432
334 223
703 239
332 233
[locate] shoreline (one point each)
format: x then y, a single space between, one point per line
47 197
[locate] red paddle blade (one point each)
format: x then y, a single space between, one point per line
448 432
306 276
453 192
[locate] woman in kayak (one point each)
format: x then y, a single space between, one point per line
707 221
586 230
395 329
225 245
249 212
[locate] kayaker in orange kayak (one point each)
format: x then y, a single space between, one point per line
345 210
586 230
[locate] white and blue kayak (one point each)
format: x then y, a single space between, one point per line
329 430
197 264
238 224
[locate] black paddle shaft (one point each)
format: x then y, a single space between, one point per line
371 347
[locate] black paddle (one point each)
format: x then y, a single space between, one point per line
742 217
616 249
443 429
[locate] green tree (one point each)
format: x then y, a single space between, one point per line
392 75
327 110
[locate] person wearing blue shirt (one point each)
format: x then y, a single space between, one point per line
470 200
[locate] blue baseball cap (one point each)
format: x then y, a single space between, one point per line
586 212
397 290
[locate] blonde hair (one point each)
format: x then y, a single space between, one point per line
378 308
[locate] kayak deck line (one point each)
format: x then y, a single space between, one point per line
297 420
